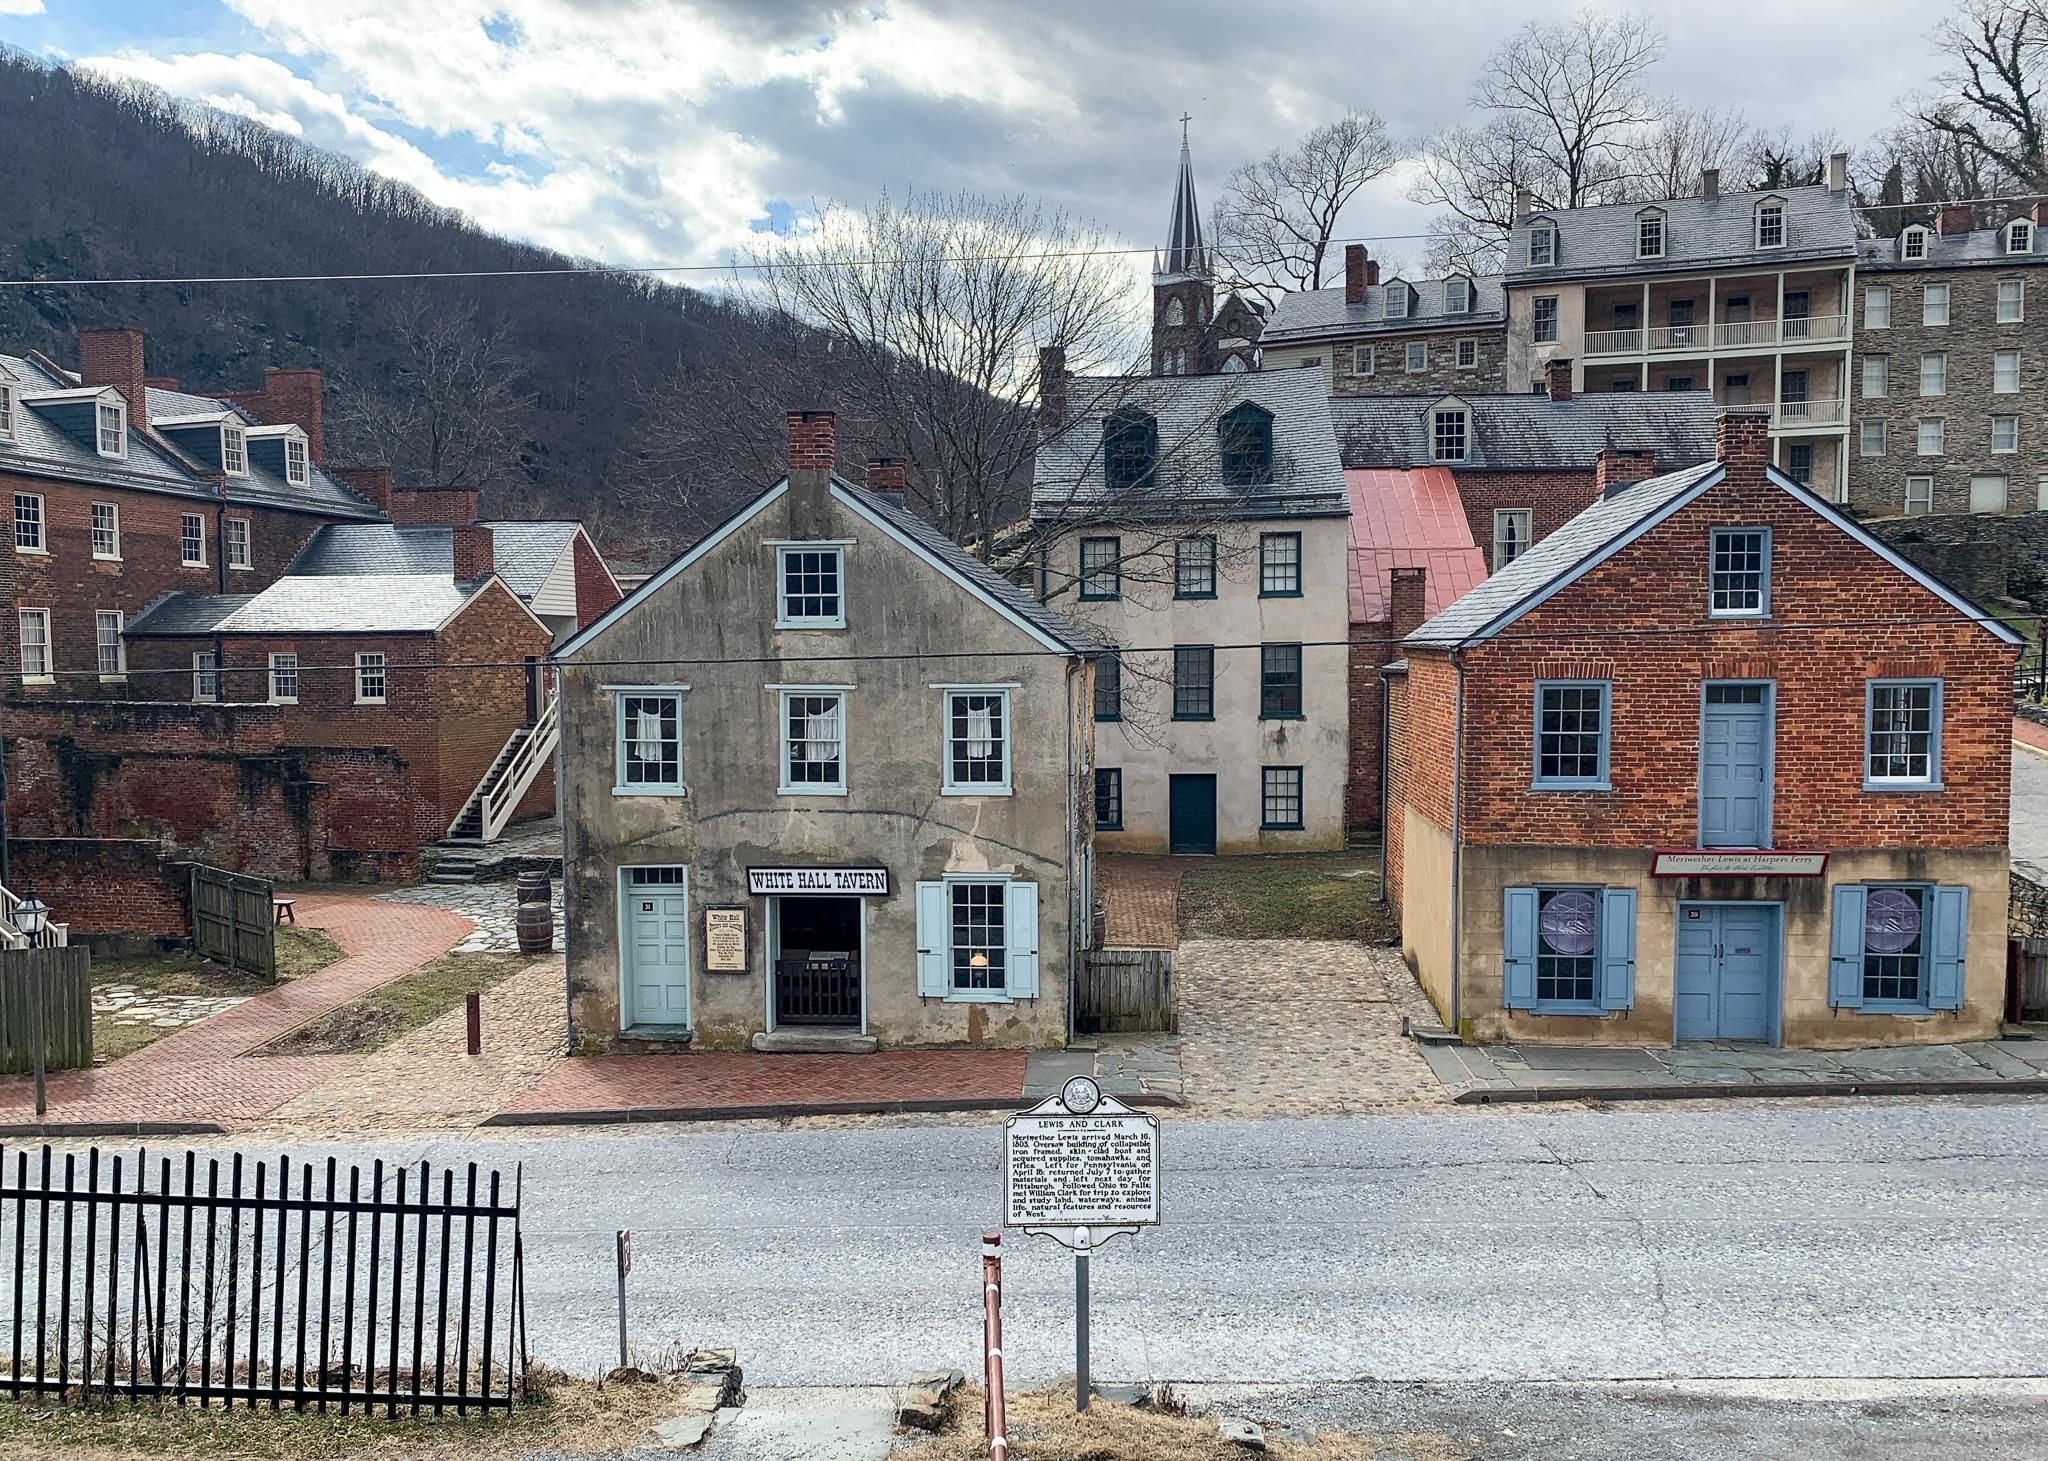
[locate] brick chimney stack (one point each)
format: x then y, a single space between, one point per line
1710 183
161 382
2039 213
291 396
111 355
1525 202
1354 273
474 556
373 483
1613 470
813 451
886 477
1407 600
1953 220
1557 375
1052 387
1372 272
1742 440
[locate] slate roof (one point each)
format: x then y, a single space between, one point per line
1698 232
1524 432
522 553
1308 478
1317 314
1551 559
1412 519
367 604
1981 248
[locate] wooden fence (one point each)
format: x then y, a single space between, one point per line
1126 990
233 920
66 976
186 1280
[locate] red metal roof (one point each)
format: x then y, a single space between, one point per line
1408 519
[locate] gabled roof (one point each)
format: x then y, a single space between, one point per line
1307 480
1518 431
1318 314
1698 233
1609 526
1006 598
1979 248
1411 519
522 553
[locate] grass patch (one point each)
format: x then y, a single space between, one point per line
300 951
1043 1426
574 1416
1327 895
372 1021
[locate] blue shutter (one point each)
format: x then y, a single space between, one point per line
1518 968
1618 949
934 941
1020 927
1845 948
1951 938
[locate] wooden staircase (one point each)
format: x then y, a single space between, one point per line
512 772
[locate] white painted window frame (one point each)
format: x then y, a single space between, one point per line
112 553
115 410
1929 293
205 676
32 510
1940 425
234 451
1881 295
241 555
1922 499
364 668
620 695
947 785
100 618
2018 299
298 468
783 618
185 540
2011 421
783 695
284 664
43 674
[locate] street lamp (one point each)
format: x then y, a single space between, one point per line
32 916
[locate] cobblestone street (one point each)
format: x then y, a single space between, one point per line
491 906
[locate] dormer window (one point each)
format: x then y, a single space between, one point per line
1457 296
1130 448
2019 236
6 413
234 451
1913 242
1770 223
295 469
1450 434
1650 234
1542 244
1396 300
113 429
1245 436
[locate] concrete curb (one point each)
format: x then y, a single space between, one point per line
59 1129
776 1111
1496 1096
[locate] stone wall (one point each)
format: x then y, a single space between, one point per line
1983 557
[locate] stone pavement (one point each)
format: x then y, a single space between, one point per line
493 909
1140 899
203 1075
124 1004
1492 1073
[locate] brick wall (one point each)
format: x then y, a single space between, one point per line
1398 789
104 885
430 509
291 396
595 591
1372 647
1552 499
1971 340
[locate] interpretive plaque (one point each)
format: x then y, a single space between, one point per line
725 940
1063 1170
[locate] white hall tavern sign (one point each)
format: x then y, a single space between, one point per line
872 882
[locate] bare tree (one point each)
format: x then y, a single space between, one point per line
1280 212
1667 158
1989 99
1776 159
1474 174
1908 171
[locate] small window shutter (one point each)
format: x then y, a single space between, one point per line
933 928
1519 949
1951 939
1618 949
1845 948
1020 923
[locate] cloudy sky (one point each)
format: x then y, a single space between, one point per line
649 131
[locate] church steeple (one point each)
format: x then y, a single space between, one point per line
1186 254
1183 287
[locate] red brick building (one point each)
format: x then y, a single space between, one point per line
1708 762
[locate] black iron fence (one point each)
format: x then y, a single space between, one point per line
817 992
2030 675
224 1281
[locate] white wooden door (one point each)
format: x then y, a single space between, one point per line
657 952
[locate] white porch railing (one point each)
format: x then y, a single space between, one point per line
1614 342
1740 334
55 935
1811 413
501 797
1815 329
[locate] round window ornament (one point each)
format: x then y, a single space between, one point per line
1567 922
1081 1095
1891 921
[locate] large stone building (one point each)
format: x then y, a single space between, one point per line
1394 337
1710 762
825 784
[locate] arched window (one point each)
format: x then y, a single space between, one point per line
1245 436
1130 450
2019 236
1201 311
1175 313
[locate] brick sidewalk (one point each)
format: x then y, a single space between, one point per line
2030 734
716 1085
203 1073
1140 902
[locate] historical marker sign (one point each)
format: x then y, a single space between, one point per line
1081 1160
725 940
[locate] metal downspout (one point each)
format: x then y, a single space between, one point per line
1457 838
568 993
1073 857
1386 758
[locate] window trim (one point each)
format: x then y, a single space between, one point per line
8 406
1300 822
1602 779
1437 416
1877 291
2017 365
947 785
1115 660
383 668
1116 571
274 667
2019 229
2019 314
1939 359
1863 436
1713 551
1645 219
1118 824
1940 425
239 437
954 994
1465 304
1526 516
205 675
1179 545
1546 230
183 560
1924 1005
1468 346
1370 355
1910 479
1173 686
1536 335
783 619
786 787
119 408
1300 682
620 695
298 461
119 674
2005 451
1395 289
1774 206
1927 298
47 674
1913 241
114 528
228 526
1415 358
41 546
1932 781
1280 593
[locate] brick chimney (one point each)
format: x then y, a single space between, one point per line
161 382
1372 272
2039 213
1407 600
1613 470
1052 387
1838 172
886 477
1557 375
373 483
1742 440
290 397
473 551
1952 220
111 355
1710 183
1354 273
813 448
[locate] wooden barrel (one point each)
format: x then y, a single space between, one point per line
536 925
535 887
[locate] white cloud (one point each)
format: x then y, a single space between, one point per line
21 7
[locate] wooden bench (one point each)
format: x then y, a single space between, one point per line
281 910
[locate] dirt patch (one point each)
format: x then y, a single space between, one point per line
1334 895
372 1021
300 951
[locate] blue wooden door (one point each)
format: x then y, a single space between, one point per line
1191 814
1726 976
657 948
1735 767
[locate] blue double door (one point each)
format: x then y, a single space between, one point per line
1726 979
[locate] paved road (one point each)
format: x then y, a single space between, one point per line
2030 806
1893 1240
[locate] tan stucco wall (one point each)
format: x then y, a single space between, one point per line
1806 1016
1149 745
1426 906
894 815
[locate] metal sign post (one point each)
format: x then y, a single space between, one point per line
625 1267
1079 1168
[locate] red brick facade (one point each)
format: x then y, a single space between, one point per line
1552 499
100 886
596 591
